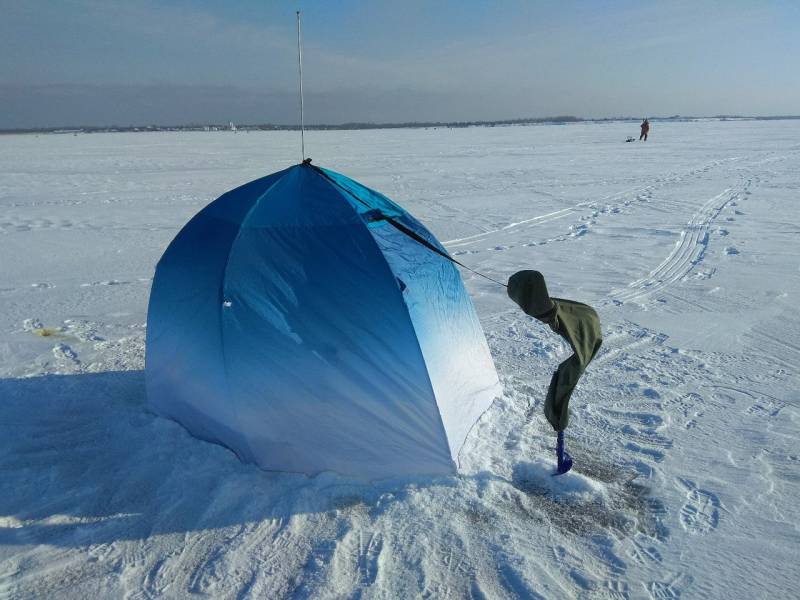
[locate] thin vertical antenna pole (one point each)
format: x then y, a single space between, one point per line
300 71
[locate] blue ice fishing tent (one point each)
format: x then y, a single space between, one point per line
309 323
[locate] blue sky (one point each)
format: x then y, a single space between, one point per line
177 61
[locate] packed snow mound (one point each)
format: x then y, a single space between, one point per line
537 477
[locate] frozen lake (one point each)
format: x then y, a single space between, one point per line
684 429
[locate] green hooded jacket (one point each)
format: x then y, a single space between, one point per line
575 322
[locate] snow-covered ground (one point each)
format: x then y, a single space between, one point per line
684 431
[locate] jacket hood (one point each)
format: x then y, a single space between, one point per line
529 291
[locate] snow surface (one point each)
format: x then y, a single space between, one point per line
684 430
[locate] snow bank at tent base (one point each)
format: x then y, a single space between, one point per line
684 429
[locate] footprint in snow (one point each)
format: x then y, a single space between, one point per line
649 452
64 353
700 513
704 274
685 404
579 230
759 410
671 590
644 550
640 418
107 282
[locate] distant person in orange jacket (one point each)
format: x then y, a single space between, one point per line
645 129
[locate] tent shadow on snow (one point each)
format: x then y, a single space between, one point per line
84 462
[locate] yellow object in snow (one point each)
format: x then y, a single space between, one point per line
48 331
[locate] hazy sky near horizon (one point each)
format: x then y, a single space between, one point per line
102 62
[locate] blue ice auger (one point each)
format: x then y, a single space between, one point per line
564 459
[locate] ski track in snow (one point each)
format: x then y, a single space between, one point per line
611 204
681 452
687 253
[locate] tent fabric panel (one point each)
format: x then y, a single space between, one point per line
233 206
368 199
184 366
457 356
184 370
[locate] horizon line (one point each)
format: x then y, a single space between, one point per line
356 125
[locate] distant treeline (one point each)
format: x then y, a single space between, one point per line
358 125
451 124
